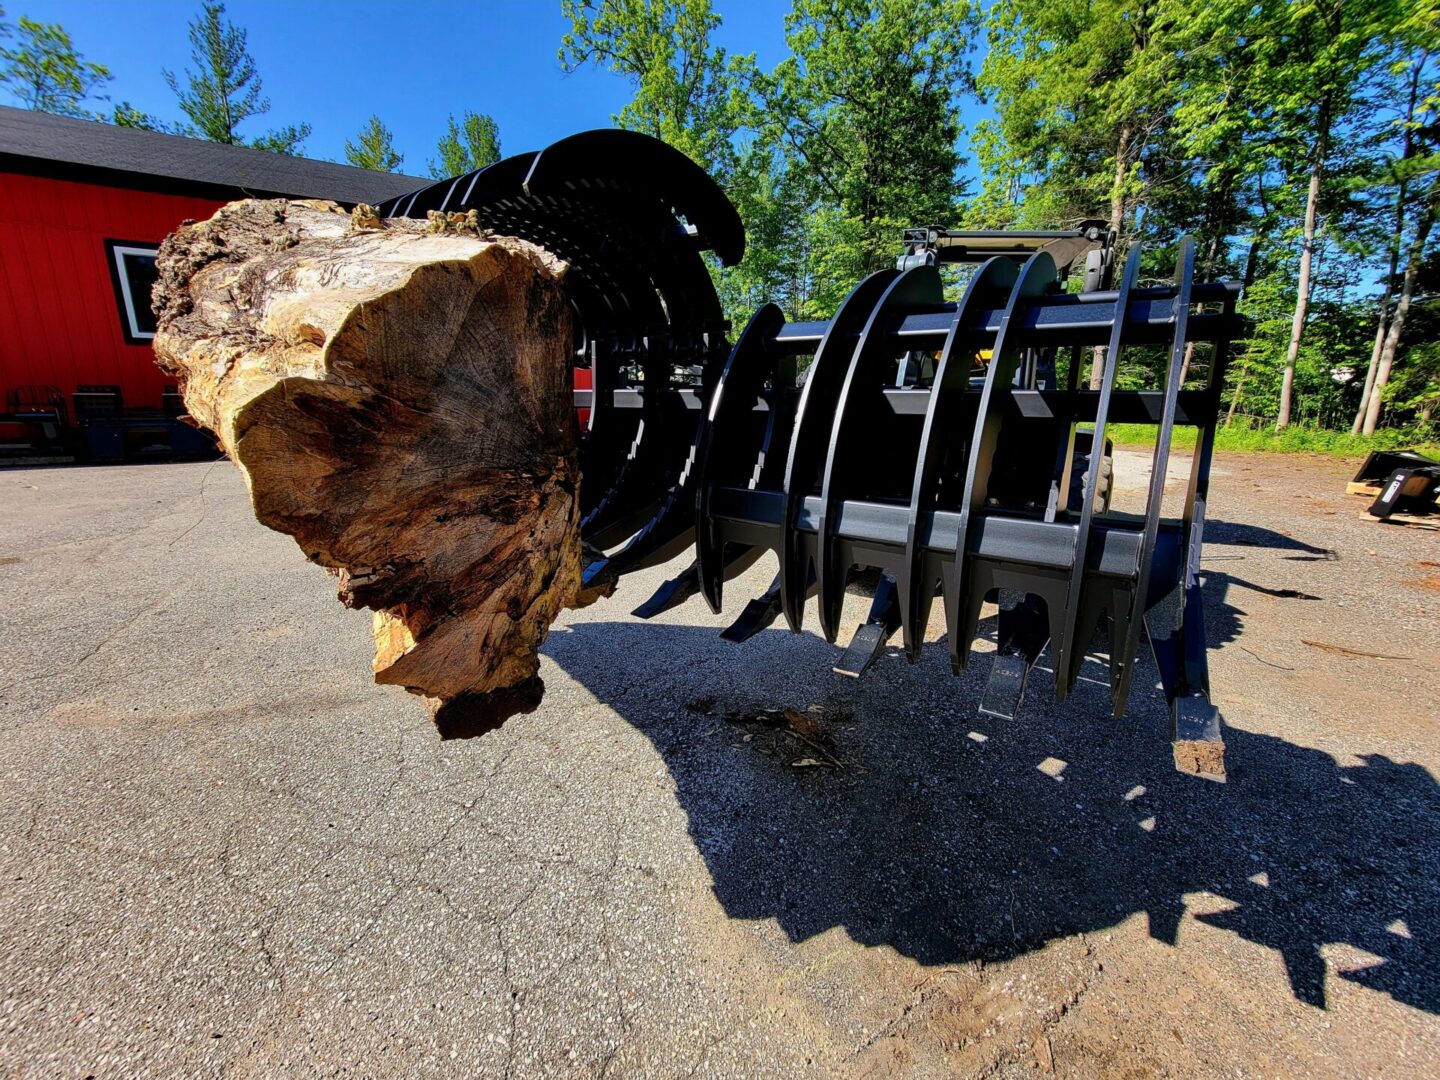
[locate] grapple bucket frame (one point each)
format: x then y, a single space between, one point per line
950 479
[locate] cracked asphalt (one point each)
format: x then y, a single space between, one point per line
223 850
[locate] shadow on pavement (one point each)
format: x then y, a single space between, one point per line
940 837
1235 534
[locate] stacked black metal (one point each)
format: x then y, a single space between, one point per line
953 480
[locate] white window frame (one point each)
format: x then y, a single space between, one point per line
118 252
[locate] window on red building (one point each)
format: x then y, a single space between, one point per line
132 270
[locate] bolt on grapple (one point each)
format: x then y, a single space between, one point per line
931 440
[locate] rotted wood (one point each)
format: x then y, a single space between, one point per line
397 396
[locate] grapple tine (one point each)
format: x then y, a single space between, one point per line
726 455
1069 653
1127 636
1035 279
1176 624
857 425
944 415
813 415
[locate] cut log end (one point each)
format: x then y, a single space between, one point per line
398 400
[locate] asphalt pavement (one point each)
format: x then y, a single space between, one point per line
223 849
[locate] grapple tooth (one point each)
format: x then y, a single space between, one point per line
761 613
672 594
687 583
868 641
755 616
1024 633
1198 741
865 647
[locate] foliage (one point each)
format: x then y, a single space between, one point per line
44 71
128 116
684 86
1084 93
1297 140
374 148
469 145
1257 435
225 89
865 116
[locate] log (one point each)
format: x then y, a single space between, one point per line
397 396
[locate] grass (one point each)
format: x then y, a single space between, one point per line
1253 436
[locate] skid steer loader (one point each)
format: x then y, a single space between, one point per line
923 431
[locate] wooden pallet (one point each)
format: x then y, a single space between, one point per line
1414 521
1360 487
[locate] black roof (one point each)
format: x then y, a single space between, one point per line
38 143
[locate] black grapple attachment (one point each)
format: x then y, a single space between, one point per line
924 438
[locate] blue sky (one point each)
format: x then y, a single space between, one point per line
334 62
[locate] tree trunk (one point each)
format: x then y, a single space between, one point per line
1380 328
397 396
1402 306
1117 222
1307 257
1396 239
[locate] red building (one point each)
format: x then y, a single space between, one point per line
83 208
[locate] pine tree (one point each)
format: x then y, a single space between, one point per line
127 115
469 145
225 90
374 148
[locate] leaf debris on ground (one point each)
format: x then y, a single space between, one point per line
801 740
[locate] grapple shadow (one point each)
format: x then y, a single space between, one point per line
940 837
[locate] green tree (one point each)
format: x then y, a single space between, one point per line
374 148
1308 63
46 73
1084 92
684 85
225 89
865 113
690 95
127 115
469 145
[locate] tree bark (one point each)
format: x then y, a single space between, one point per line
1391 347
1396 239
1368 388
1307 257
397 396
1117 222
